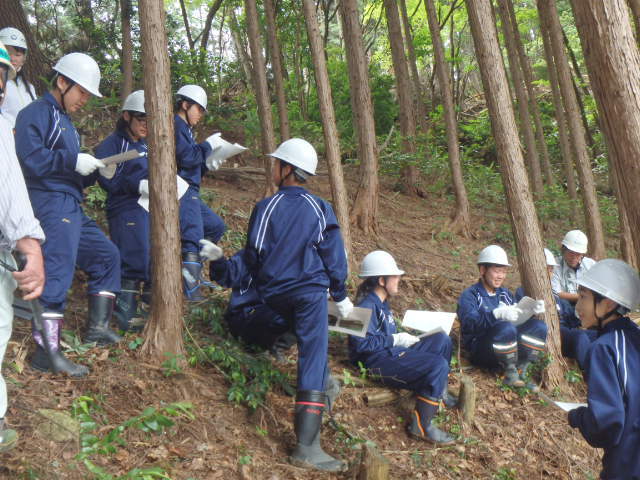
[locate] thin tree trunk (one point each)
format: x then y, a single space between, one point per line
187 28
627 240
526 230
262 91
240 47
206 31
127 49
613 62
365 207
163 332
461 221
297 62
583 162
331 139
278 76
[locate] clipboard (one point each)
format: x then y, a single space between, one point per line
122 157
357 323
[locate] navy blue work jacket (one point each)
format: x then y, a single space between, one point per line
190 156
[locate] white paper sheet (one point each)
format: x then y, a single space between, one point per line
568 406
357 323
222 150
182 185
428 322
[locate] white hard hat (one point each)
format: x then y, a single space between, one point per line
14 37
379 264
5 59
195 93
134 102
613 279
299 153
82 69
493 254
576 241
551 260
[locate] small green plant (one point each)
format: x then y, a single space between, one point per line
364 371
244 460
506 474
171 366
573 376
347 378
74 344
135 343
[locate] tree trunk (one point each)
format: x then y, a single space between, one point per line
405 97
365 207
278 76
206 31
627 240
163 332
240 47
593 220
461 221
187 28
331 139
531 152
127 49
526 230
297 62
613 62
38 66
262 91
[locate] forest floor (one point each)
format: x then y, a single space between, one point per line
513 436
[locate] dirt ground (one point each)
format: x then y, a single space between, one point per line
512 437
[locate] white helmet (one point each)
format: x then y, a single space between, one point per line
195 93
134 102
14 37
576 241
379 264
5 59
299 153
613 279
82 69
551 260
493 254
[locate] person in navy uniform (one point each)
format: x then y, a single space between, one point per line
487 315
294 253
607 292
56 172
399 359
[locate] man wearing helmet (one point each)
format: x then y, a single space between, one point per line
56 172
488 315
572 263
611 419
20 92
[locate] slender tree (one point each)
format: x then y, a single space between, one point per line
206 31
524 221
127 48
240 47
278 75
163 332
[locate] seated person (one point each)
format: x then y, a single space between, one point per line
487 314
401 360
571 265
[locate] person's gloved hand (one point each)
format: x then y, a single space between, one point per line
404 339
508 313
143 187
345 307
109 171
210 250
214 163
538 308
213 140
87 164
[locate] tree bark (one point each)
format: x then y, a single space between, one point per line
524 221
365 207
240 47
278 75
461 221
593 220
163 332
206 31
613 61
331 139
127 49
187 28
262 91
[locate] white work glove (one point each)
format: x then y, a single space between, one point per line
538 308
345 307
214 163
508 313
109 171
404 339
143 188
210 250
87 164
213 140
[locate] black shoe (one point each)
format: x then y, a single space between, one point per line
421 426
192 277
57 364
126 307
100 312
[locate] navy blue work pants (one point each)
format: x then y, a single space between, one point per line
256 325
129 231
212 225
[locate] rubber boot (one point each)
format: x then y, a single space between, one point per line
203 278
191 276
308 453
422 427
531 348
126 308
100 312
146 293
52 323
332 391
8 437
507 356
282 345
450 400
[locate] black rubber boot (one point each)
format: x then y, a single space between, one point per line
422 427
308 453
100 312
531 349
192 277
57 364
450 400
282 345
126 308
507 356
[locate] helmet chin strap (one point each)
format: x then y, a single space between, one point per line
63 93
605 316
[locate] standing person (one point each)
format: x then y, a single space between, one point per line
190 107
399 359
611 419
572 264
487 315
20 91
19 230
294 252
56 172
128 221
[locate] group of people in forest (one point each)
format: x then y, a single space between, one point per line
293 261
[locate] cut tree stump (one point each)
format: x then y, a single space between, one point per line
467 399
373 465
